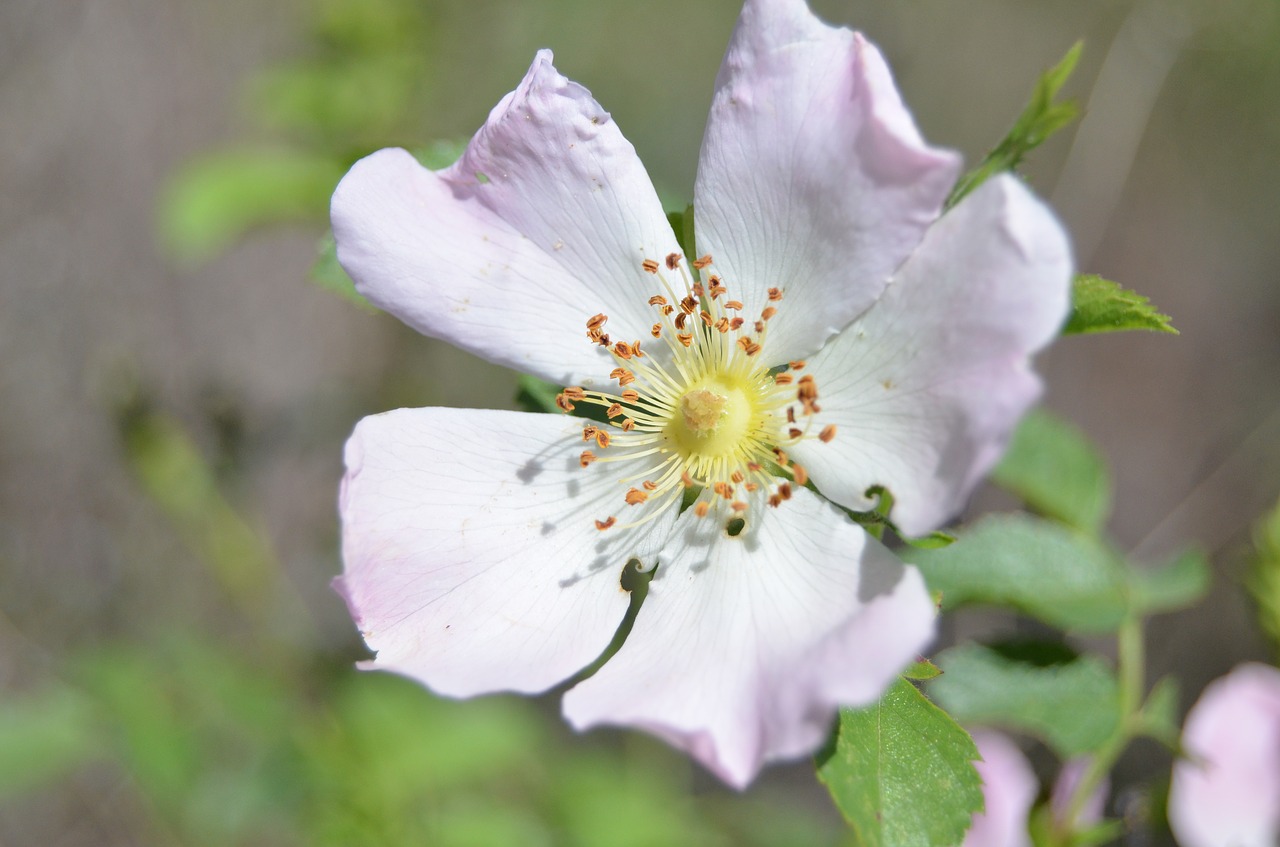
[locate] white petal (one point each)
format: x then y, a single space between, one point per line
543 223
1009 788
813 176
1228 795
745 645
926 387
473 563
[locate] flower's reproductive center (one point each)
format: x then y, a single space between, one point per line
714 417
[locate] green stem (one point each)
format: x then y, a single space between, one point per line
1131 661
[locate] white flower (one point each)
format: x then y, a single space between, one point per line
1228 793
836 330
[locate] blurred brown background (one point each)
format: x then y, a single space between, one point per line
1170 184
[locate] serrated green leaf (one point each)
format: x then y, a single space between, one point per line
1041 568
1072 707
1159 717
1057 472
1178 584
901 772
328 273
214 200
1040 118
1100 305
922 670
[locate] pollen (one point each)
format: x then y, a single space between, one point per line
699 421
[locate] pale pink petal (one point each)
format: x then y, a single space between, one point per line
745 645
1064 788
925 388
473 562
813 177
1009 789
1228 794
543 223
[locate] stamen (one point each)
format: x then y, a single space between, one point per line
586 458
650 265
606 523
673 261
703 262
828 433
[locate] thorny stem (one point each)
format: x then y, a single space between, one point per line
1131 659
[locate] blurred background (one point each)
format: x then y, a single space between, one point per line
175 387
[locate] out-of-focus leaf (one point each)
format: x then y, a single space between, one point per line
1073 707
682 226
327 273
440 154
213 201
901 772
536 395
1040 118
43 736
1041 568
1100 305
1057 472
1263 580
1159 718
357 97
1178 584
923 669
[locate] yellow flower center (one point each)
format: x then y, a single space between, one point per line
712 416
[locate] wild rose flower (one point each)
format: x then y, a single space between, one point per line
1009 789
835 334
1227 794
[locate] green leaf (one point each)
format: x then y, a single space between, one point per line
1040 118
682 226
1159 716
1041 568
901 772
440 154
923 669
1100 305
1057 472
1263 580
1073 707
215 200
43 736
1178 584
536 395
327 273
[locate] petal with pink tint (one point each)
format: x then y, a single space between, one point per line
1009 788
543 223
813 177
472 559
745 645
1228 793
925 388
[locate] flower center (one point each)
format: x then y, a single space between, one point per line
712 417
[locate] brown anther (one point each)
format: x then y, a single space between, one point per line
656 330
828 433
775 501
738 506
563 402
780 455
597 321
717 290
714 279
775 294
623 350
799 474
702 508
606 523
685 338
602 438
749 346
667 310
737 476
681 320
589 432
750 486
768 313
601 338
586 458
657 300
673 261
791 414
783 379
650 265
635 497
722 325
688 305
755 467
724 489
613 411
736 305
759 325
784 491
736 323
574 392
798 364
622 375
630 395
635 349
698 290
686 480
649 485
706 317
702 262
628 424
794 432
